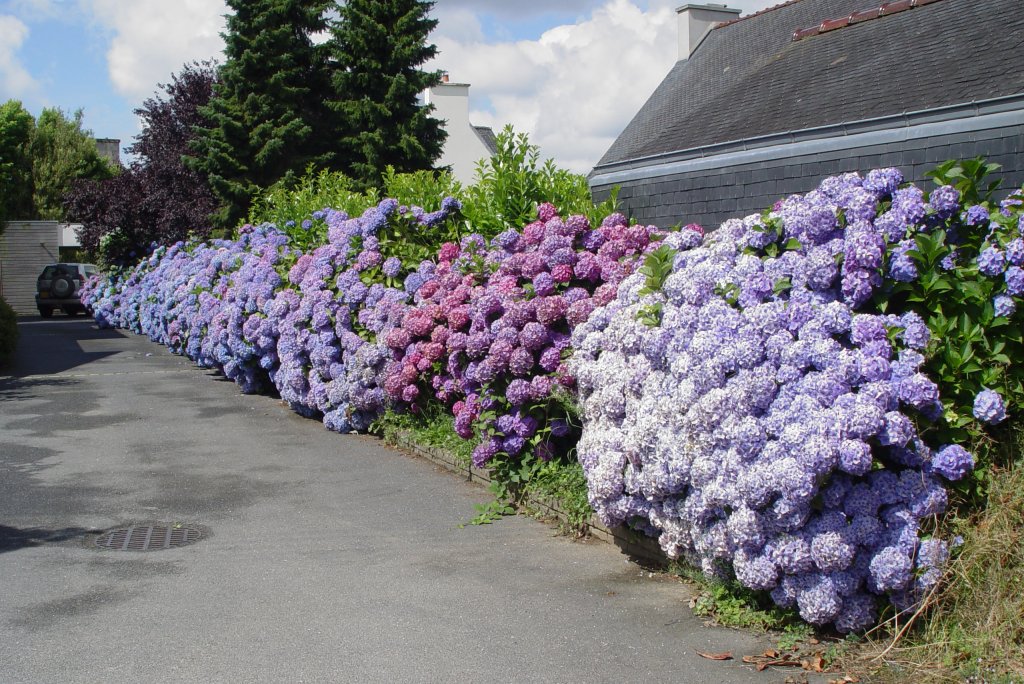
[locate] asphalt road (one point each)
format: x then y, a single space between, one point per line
326 558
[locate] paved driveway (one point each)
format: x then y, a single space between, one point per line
327 558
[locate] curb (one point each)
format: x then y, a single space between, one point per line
631 542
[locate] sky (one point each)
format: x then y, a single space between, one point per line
570 73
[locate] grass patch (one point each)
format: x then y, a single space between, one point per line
433 427
732 605
556 482
565 484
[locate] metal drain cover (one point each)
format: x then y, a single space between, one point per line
148 538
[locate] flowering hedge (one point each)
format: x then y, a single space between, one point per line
769 400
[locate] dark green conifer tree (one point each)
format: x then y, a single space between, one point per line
267 118
377 48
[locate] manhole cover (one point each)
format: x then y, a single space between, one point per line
148 538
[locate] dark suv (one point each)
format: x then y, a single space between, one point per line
58 287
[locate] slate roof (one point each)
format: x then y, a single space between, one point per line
749 78
487 137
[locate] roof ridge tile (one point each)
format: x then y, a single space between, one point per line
883 10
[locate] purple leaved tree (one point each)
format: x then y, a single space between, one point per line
156 198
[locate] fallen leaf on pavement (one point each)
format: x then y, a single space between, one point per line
716 656
815 663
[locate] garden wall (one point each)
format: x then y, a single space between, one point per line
738 184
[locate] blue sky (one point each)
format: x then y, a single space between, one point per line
569 73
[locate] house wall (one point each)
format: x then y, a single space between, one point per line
25 248
716 192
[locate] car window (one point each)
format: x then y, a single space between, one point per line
49 272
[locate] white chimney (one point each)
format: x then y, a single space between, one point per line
696 20
464 146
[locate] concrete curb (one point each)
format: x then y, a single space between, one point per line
632 543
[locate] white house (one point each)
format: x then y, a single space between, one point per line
466 144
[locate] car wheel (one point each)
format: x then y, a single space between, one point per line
45 313
61 287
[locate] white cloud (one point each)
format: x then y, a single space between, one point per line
575 87
519 8
152 39
15 80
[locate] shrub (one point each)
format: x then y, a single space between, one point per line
513 183
8 332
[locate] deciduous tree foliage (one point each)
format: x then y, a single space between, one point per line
16 128
157 198
266 119
377 47
62 152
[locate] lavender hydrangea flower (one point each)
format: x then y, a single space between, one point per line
976 215
989 407
991 261
945 200
1015 281
1004 305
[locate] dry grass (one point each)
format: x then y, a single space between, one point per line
973 627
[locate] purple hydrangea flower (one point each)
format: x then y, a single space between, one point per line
976 215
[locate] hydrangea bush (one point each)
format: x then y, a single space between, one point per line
489 334
341 298
773 424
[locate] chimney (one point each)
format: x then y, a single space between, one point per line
696 20
109 148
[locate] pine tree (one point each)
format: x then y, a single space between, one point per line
378 47
266 119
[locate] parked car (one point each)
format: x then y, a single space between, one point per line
59 286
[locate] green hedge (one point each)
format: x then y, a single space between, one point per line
8 332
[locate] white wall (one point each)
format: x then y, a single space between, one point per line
463 148
68 235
